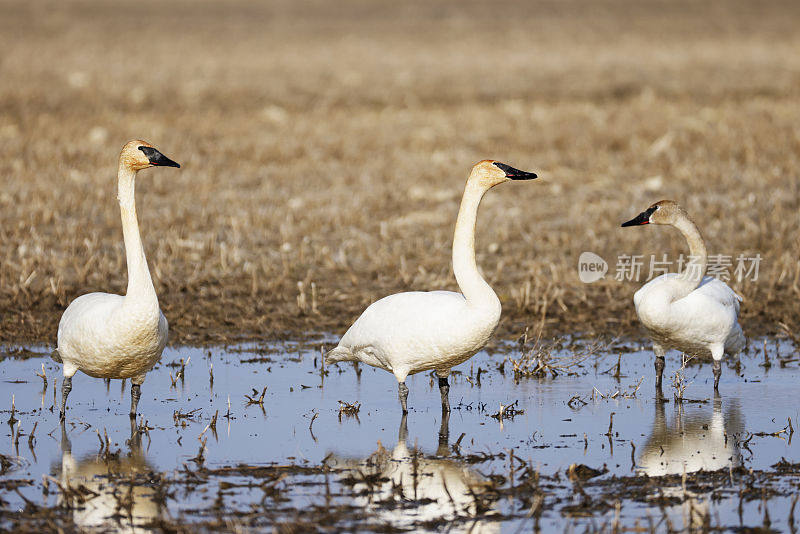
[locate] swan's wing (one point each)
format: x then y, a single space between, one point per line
414 318
717 290
87 312
710 288
710 313
651 285
90 304
455 298
403 311
706 316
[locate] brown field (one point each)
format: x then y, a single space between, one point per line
325 145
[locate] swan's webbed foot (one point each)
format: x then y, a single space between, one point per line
66 387
444 389
136 393
717 374
402 392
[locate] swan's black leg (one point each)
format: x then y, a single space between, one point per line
66 387
136 393
659 370
444 389
402 392
717 373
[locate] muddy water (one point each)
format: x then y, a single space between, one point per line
376 468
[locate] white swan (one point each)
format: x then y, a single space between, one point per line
407 333
114 336
690 312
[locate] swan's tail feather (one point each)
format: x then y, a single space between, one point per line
56 356
339 354
736 341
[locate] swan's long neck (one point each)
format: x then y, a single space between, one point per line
695 269
470 281
140 285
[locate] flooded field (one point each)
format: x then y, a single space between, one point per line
567 437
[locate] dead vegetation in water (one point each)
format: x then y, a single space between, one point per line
508 411
307 191
255 397
617 392
552 358
349 409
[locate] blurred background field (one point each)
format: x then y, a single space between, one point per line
325 145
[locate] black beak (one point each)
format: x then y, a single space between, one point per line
157 159
514 174
642 218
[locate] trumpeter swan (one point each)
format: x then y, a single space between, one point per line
408 333
690 312
115 336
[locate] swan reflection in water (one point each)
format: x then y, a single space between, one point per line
104 492
405 488
689 443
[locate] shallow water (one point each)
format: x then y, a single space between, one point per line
554 430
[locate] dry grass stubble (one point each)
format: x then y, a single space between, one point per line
324 150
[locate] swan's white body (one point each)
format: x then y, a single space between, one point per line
408 333
101 336
115 336
701 323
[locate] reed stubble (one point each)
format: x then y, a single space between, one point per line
324 150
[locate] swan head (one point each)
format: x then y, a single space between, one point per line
662 212
138 155
489 173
